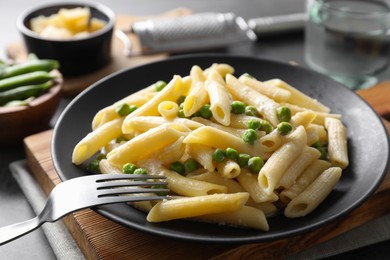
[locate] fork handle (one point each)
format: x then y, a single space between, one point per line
11 232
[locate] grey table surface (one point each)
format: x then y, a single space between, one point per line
13 204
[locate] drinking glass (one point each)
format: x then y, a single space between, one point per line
348 40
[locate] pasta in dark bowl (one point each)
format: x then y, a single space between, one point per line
352 187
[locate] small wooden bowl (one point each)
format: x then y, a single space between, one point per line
21 121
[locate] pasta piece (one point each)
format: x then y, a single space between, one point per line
228 129
214 75
146 144
171 153
108 113
266 106
240 120
337 142
307 157
202 154
297 97
222 68
314 194
220 102
96 140
196 206
316 133
196 98
304 118
213 177
229 169
168 109
215 138
197 75
304 180
179 184
277 94
142 124
246 217
268 208
320 116
171 92
249 182
272 141
107 168
280 160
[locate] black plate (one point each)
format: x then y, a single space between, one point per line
367 140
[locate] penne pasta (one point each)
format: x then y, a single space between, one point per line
208 149
314 194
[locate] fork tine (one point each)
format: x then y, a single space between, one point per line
109 177
119 199
119 191
120 183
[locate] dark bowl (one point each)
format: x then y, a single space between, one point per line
76 56
368 145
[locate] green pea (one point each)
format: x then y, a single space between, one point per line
181 114
265 126
231 153
129 168
243 159
159 85
255 164
132 108
190 165
140 171
254 124
284 114
121 139
101 156
205 111
177 167
251 111
123 109
180 100
249 136
322 149
284 128
219 155
238 107
93 166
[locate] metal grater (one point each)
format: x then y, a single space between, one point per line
193 32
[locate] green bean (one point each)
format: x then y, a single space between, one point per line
28 66
31 78
123 109
24 92
181 100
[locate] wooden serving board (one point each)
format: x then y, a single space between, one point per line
101 238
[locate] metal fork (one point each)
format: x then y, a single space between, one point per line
89 191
